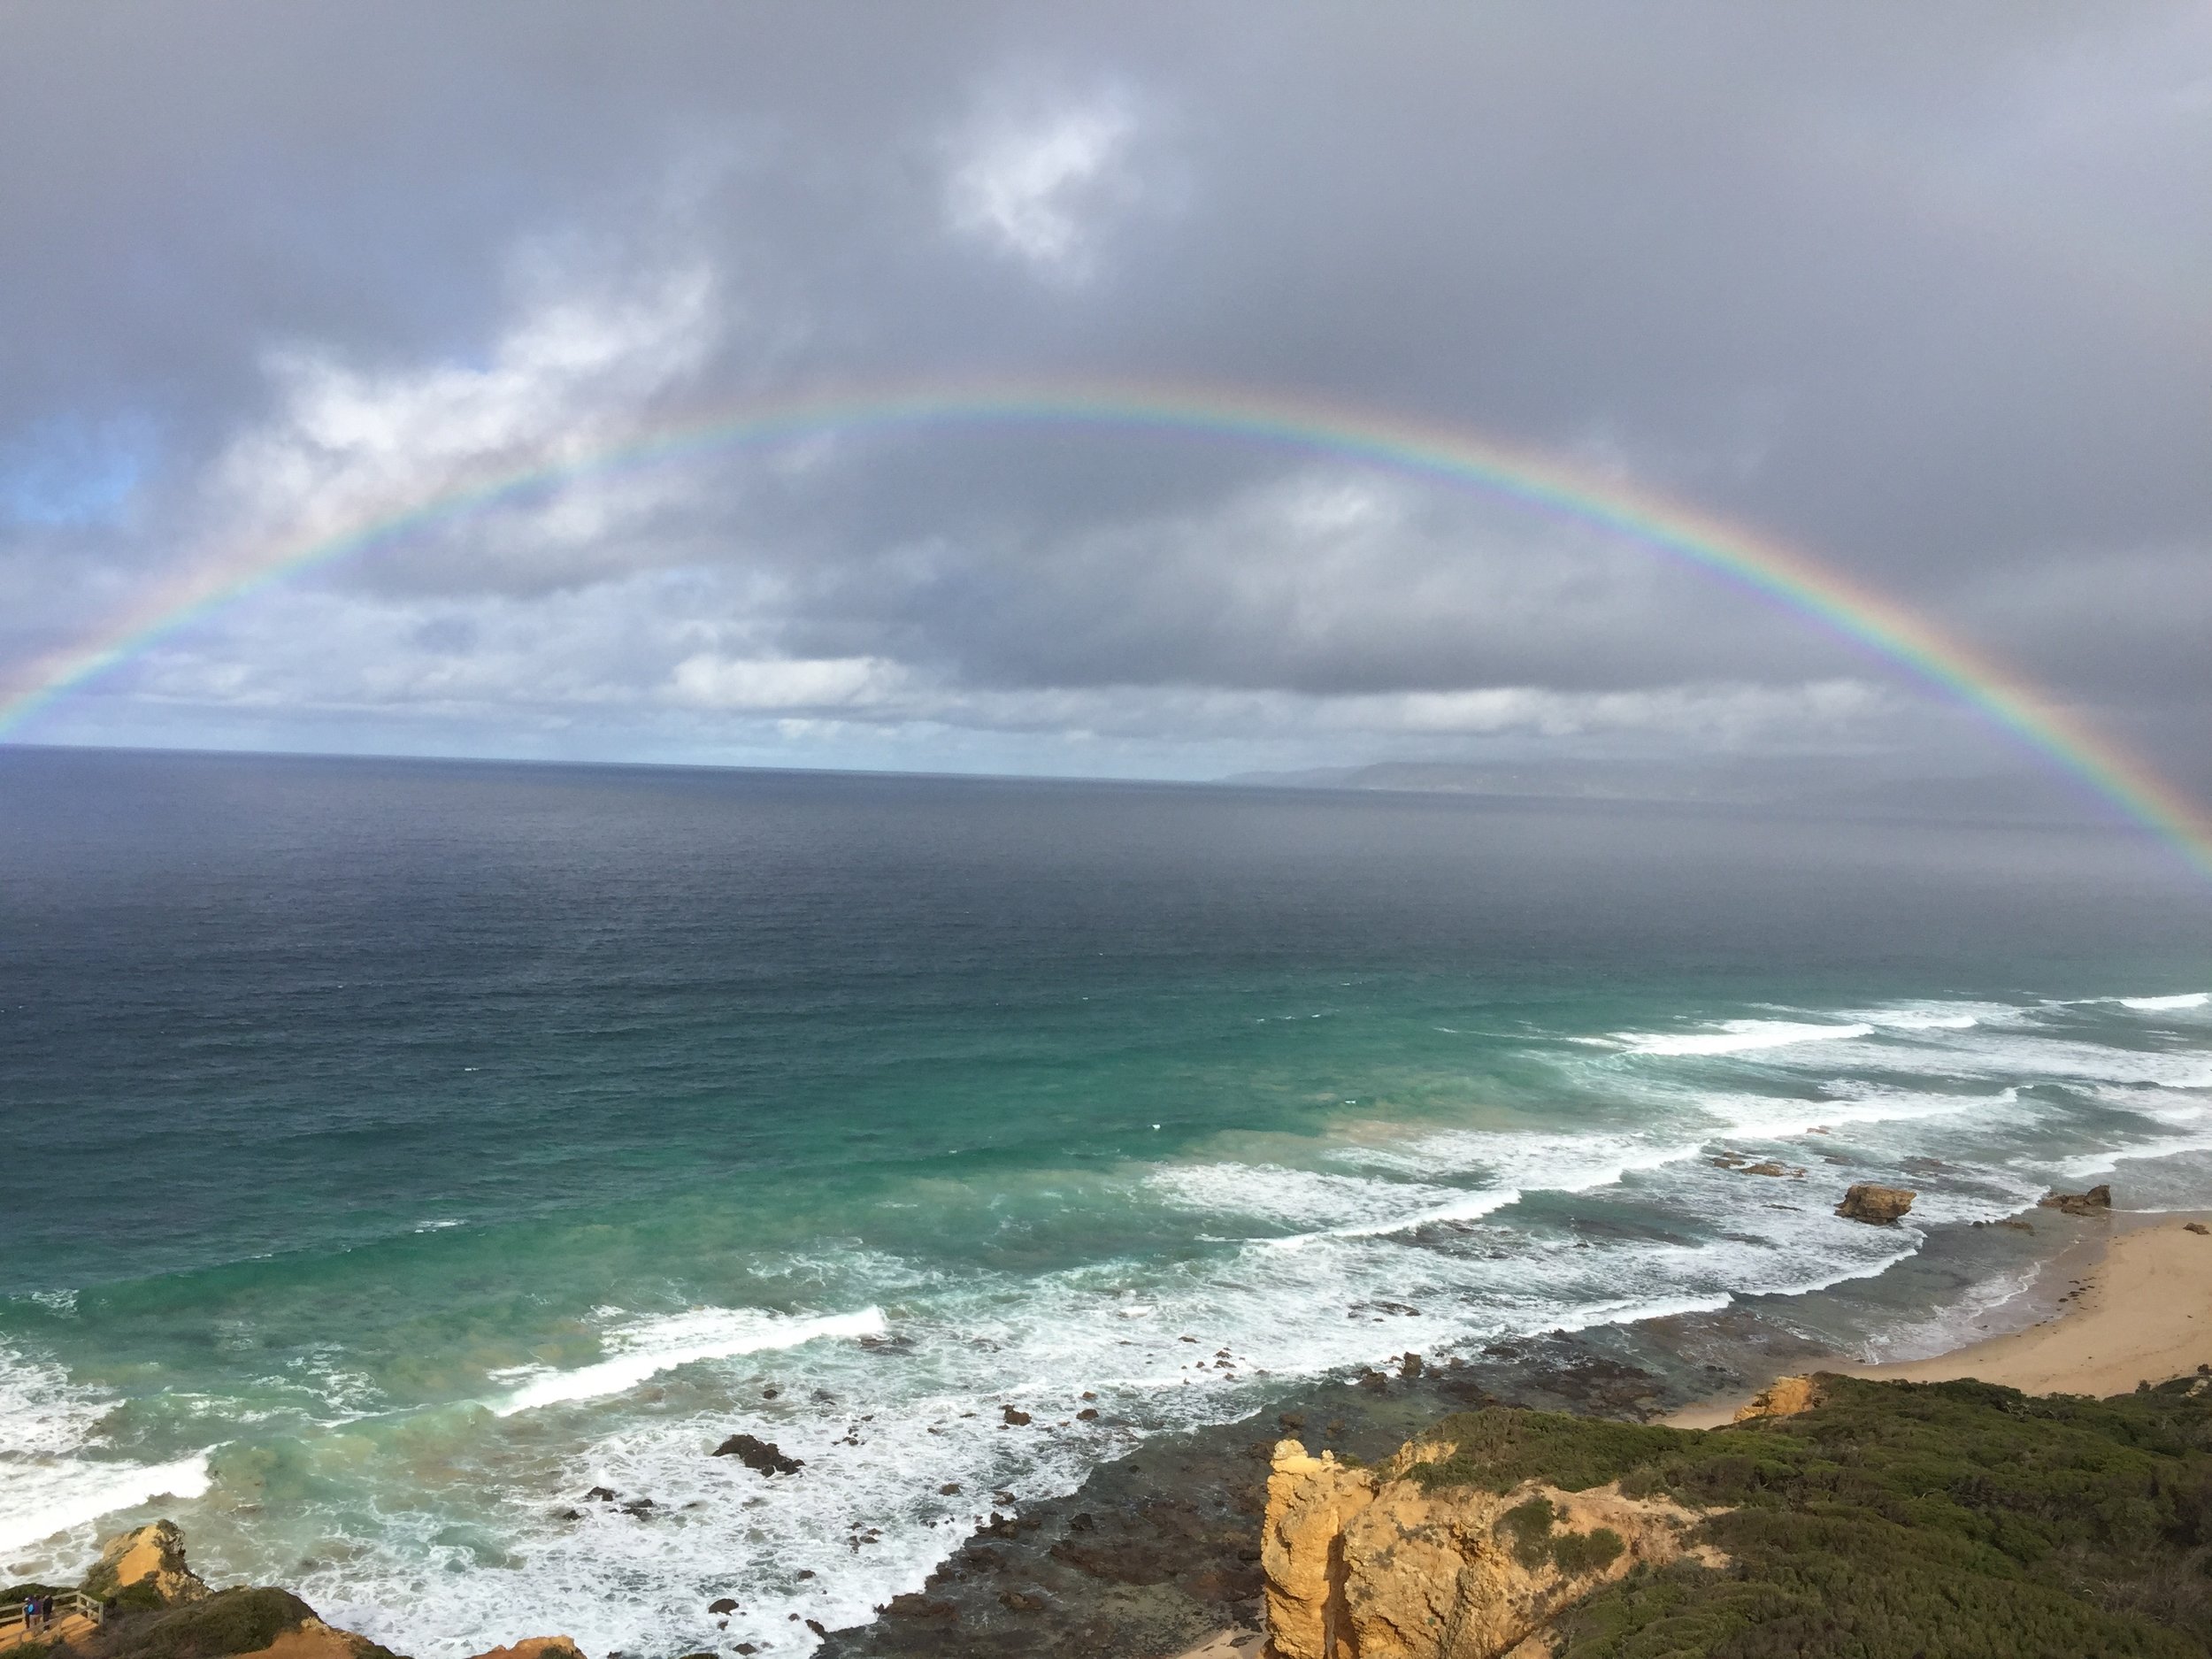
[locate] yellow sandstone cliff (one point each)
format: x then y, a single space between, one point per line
152 1554
1784 1397
1368 1565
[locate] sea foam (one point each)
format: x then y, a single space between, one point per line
37 1502
647 1346
1739 1036
52 1474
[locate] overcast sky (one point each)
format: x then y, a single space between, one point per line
1926 291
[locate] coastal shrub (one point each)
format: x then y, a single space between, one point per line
1894 1520
1528 1527
1528 1530
137 1598
228 1621
1586 1552
1499 1448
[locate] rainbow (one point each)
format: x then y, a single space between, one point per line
1538 482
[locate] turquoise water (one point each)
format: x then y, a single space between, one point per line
405 1148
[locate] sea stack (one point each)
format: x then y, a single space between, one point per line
1878 1206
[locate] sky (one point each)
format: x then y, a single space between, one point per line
1925 293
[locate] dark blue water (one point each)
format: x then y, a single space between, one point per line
439 1134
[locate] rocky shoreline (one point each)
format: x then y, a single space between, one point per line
1162 1549
1898 1520
1159 1549
1156 1551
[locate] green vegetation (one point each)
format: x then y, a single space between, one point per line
1529 1527
100 1581
228 1621
141 1626
1586 1552
137 1598
1895 1521
1501 1447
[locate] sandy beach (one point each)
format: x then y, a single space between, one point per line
2135 1306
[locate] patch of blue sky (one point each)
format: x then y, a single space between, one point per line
70 473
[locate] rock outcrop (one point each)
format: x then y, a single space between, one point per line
1784 1397
1374 1565
152 1555
764 1456
1877 1205
1311 1503
537 1648
160 1606
2096 1201
265 1623
311 1638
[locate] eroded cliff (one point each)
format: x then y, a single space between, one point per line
1406 1563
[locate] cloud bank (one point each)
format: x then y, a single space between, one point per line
1920 294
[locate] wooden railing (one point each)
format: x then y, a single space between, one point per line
66 1603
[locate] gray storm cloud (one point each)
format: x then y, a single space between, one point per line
1922 294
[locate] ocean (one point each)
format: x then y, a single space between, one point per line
399 1149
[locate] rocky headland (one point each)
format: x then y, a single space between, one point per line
151 1605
